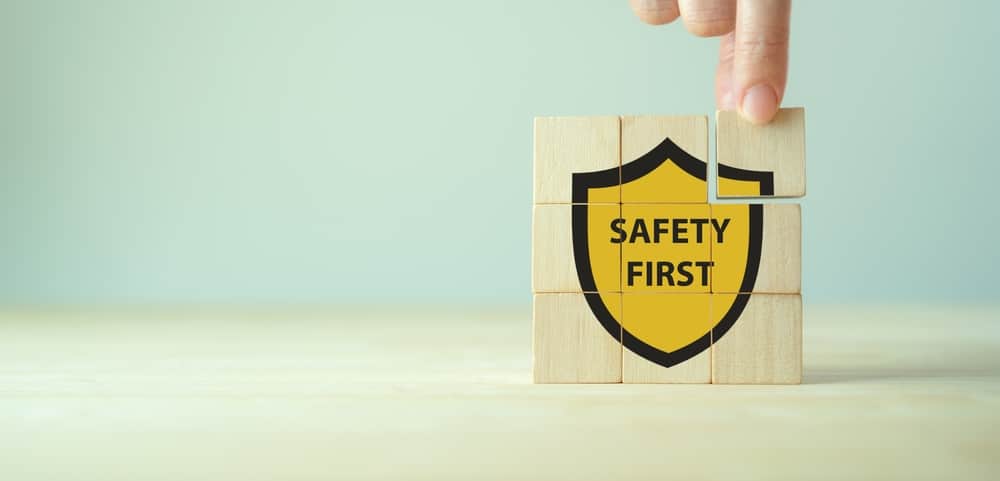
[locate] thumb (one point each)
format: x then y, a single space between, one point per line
760 61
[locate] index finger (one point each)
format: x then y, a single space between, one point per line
760 62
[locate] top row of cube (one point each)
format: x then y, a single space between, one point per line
626 148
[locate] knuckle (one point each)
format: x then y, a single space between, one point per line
762 43
708 13
707 19
727 52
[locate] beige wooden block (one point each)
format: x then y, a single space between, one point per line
660 328
570 345
640 136
777 147
552 265
553 255
779 269
638 370
764 346
568 145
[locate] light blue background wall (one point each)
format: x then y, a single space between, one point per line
326 152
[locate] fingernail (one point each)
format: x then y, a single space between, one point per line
760 103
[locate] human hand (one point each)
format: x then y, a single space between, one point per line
753 55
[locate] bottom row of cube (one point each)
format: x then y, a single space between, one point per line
761 342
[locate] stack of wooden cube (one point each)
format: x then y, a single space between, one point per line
638 278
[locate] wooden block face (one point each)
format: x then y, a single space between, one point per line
666 338
764 346
554 250
570 345
568 145
666 248
777 147
766 236
660 151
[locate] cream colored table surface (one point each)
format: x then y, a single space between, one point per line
889 393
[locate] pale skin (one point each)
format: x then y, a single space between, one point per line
753 55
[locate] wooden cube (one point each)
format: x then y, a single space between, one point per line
657 329
568 145
779 264
570 345
764 346
666 248
679 142
553 254
777 148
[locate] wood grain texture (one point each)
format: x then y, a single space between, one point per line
640 134
569 345
567 145
898 391
777 147
553 266
780 268
764 346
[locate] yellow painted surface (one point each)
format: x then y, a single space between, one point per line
730 252
671 249
605 256
667 184
739 188
667 322
667 249
604 195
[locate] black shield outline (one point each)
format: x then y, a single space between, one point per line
667 149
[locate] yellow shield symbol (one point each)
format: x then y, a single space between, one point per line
703 257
